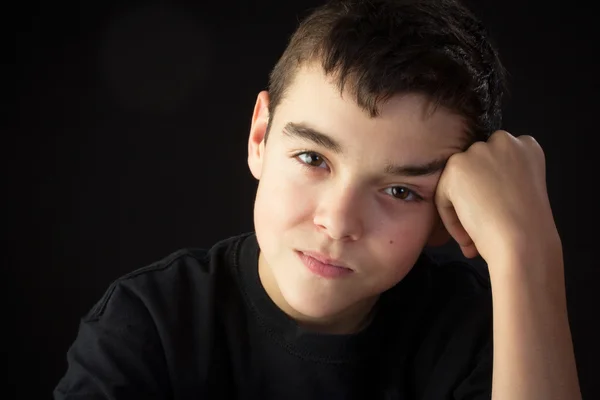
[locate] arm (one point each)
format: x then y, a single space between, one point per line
533 352
492 199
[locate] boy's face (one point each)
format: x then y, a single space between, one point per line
331 181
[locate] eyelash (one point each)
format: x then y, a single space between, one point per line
417 197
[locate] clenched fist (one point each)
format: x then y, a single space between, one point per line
493 200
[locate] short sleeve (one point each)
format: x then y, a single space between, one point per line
117 353
478 384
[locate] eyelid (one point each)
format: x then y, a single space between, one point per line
416 192
417 196
295 155
405 186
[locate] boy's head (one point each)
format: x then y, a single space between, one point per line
365 105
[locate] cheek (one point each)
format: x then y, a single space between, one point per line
414 224
396 248
405 233
282 200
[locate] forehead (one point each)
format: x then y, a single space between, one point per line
406 120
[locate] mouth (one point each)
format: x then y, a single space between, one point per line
324 266
325 259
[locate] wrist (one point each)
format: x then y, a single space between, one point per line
535 267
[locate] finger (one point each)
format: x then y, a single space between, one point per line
457 231
470 251
452 222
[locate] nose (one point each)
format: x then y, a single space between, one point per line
339 213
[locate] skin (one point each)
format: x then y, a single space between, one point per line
491 199
345 206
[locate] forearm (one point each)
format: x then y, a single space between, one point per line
533 351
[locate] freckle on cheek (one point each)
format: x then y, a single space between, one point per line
391 241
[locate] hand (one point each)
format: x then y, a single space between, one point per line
492 198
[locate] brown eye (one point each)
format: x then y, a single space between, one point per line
402 193
310 158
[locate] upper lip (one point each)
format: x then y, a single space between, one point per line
326 259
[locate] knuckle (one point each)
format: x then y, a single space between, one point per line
501 135
532 145
454 160
477 146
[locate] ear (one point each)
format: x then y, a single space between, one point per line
439 235
258 130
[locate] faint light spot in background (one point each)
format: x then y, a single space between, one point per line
154 58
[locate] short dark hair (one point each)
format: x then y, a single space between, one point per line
380 48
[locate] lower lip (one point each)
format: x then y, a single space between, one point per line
321 269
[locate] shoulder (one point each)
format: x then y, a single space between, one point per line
187 274
166 311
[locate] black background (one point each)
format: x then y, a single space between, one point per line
129 142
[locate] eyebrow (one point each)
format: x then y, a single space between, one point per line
429 168
304 132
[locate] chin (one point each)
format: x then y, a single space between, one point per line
315 302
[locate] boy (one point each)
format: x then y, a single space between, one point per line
377 138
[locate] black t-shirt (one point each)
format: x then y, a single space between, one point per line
199 325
